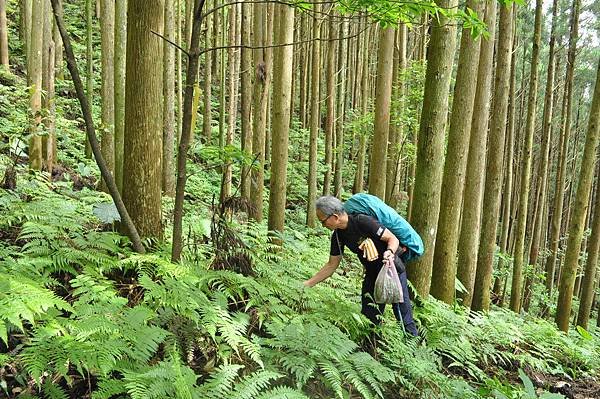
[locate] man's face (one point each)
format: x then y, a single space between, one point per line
328 221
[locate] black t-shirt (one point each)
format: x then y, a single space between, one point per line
360 227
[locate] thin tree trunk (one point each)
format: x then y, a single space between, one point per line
232 58
246 97
168 131
282 91
186 131
577 222
48 104
542 181
120 58
587 294
430 151
446 242
260 94
58 47
515 297
383 98
330 104
107 89
341 111
3 34
564 141
315 119
89 56
493 176
473 191
362 146
35 71
178 55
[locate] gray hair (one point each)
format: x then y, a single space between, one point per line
330 205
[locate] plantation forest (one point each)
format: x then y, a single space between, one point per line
170 177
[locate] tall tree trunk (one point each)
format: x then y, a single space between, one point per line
120 58
515 297
48 104
232 59
35 72
473 191
330 103
27 7
587 294
446 242
58 47
383 98
508 176
282 91
359 177
207 98
260 93
3 34
564 142
392 186
341 111
143 119
430 151
246 96
542 181
315 119
107 89
577 222
168 144
179 78
493 176
89 57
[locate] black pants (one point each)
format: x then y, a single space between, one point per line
402 311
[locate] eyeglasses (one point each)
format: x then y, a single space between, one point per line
323 221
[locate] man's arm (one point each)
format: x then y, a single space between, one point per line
326 271
392 243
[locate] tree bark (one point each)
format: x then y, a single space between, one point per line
260 95
58 47
493 176
143 119
168 131
107 89
3 34
515 297
359 177
48 104
246 96
564 142
35 81
430 151
542 180
186 131
89 57
577 222
315 119
91 134
341 111
383 98
330 95
282 89
587 294
120 57
446 242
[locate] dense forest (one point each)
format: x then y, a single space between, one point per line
161 161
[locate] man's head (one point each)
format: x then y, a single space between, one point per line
331 213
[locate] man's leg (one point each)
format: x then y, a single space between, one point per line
403 311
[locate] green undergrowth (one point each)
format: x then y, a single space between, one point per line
81 315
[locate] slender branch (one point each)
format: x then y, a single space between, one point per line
284 44
169 41
91 133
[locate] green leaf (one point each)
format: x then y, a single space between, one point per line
528 384
107 212
584 333
460 287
